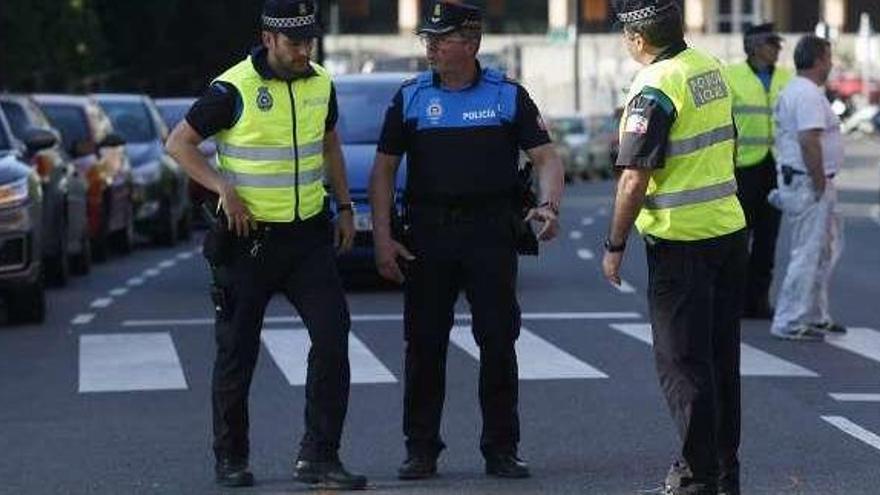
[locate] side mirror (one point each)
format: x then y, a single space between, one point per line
36 139
111 140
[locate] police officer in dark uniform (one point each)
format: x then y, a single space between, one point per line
273 117
677 185
462 128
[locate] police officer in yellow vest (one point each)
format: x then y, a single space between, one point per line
755 85
273 116
677 185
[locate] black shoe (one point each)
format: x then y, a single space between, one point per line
418 467
728 484
329 475
506 466
233 473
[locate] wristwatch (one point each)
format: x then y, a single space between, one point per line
614 248
340 207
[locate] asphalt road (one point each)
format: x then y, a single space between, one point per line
111 394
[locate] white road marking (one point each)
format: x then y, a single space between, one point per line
854 430
135 281
129 362
862 341
290 351
585 254
82 318
185 256
856 397
586 221
753 361
102 302
388 317
151 272
575 234
537 358
625 287
119 291
167 264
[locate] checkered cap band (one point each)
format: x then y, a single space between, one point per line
643 13
288 22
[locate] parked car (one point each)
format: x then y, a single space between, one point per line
569 132
98 153
21 204
161 197
601 148
173 110
66 245
362 100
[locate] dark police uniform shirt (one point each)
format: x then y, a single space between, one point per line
645 146
220 107
461 144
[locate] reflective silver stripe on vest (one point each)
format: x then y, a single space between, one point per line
752 109
306 178
689 197
269 153
700 141
755 141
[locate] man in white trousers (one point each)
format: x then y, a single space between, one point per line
810 150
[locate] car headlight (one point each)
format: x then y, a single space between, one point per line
14 193
148 173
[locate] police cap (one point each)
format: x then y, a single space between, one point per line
446 16
297 19
763 33
631 11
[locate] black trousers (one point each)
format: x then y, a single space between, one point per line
477 255
753 185
298 260
695 302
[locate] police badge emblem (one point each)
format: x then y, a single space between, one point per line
264 99
303 10
436 17
434 110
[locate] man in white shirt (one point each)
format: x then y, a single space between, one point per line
810 150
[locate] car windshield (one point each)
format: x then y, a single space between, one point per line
16 117
131 120
362 107
172 113
70 120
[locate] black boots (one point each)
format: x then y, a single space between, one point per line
328 475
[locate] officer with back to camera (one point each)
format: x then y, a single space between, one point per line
677 185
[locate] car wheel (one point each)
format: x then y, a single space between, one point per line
124 239
184 229
81 263
57 267
167 230
28 305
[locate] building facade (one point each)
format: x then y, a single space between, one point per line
597 16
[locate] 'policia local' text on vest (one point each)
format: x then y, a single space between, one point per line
693 196
753 111
274 154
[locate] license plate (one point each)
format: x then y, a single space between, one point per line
363 222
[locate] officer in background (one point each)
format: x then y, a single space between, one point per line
755 85
462 128
273 116
677 184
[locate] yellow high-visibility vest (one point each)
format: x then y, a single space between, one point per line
753 111
274 154
693 196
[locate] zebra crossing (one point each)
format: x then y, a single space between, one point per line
144 361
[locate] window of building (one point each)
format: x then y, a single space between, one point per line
734 16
